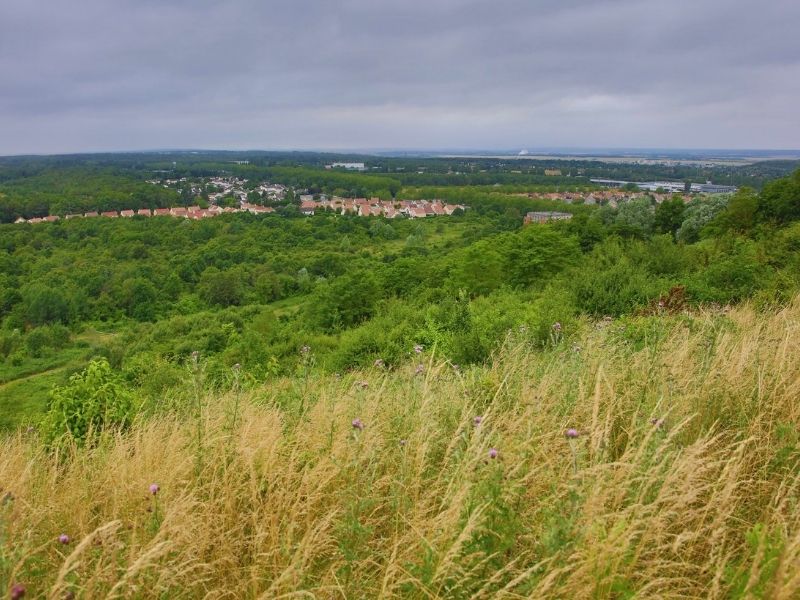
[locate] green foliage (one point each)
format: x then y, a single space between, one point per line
610 283
669 216
780 199
345 302
698 214
91 401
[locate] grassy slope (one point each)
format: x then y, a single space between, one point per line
24 390
279 494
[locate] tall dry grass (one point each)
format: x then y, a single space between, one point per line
281 502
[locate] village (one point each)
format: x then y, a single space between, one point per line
224 195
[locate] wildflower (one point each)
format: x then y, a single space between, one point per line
154 488
493 452
63 538
571 433
305 350
237 367
523 329
378 364
17 591
195 355
357 424
420 369
403 442
576 348
477 420
418 349
362 384
557 327
657 423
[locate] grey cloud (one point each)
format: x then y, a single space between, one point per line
122 74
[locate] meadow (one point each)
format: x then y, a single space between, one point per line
652 456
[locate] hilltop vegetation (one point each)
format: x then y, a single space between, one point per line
451 407
253 290
679 480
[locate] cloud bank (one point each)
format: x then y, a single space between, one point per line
326 74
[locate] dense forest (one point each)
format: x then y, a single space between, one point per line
254 290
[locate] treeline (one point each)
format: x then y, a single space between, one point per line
71 190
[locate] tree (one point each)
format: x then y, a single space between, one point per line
740 214
344 302
47 304
780 200
699 213
138 298
636 216
669 216
220 288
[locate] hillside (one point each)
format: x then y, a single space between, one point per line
431 481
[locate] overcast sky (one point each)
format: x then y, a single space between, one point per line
90 75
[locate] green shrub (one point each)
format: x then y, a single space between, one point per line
91 401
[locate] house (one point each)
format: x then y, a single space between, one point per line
161 212
179 211
127 213
307 207
20 220
111 214
91 214
546 217
51 218
144 212
73 216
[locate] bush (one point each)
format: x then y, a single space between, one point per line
91 401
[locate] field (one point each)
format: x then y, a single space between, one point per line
680 479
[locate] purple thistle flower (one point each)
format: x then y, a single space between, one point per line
418 349
557 327
420 369
477 420
378 364
571 433
63 538
657 423
17 591
357 424
154 488
493 453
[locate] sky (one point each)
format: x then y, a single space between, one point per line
112 75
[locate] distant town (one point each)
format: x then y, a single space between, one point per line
224 195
